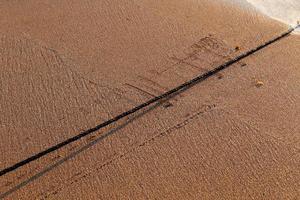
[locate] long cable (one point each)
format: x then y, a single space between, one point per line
163 96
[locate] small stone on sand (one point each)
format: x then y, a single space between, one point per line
259 84
167 105
220 76
243 64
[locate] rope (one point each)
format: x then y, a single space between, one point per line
156 99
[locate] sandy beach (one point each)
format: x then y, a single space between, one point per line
67 66
286 11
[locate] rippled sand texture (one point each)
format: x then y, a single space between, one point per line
66 66
287 11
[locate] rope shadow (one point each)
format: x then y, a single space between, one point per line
77 152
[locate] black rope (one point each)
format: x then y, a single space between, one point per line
163 96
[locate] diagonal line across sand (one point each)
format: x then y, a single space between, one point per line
168 94
66 66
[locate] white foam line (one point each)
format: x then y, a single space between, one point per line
286 11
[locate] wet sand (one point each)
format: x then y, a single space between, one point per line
66 66
287 11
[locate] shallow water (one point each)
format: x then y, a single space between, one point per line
287 11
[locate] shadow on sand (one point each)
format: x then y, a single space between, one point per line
77 152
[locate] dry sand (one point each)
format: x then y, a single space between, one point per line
69 65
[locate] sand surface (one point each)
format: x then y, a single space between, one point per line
68 65
287 11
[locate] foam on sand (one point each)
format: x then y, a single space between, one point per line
287 11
